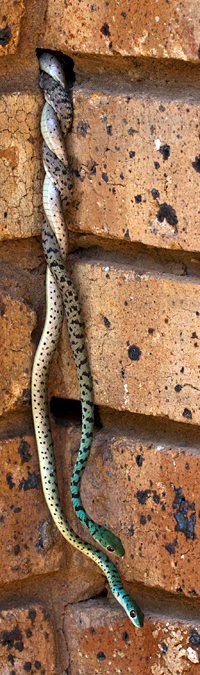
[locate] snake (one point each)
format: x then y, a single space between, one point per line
62 298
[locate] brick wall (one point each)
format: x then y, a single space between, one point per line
135 257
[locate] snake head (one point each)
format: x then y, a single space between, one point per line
110 542
133 610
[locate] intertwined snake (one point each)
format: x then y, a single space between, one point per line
61 295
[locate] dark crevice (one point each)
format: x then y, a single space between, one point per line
150 429
68 411
17 423
144 258
140 76
65 61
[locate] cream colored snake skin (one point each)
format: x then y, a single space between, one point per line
61 296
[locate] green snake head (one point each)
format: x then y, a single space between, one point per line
134 612
109 541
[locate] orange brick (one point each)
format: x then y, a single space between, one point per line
101 639
20 165
148 493
17 322
136 169
26 642
142 334
166 30
30 541
10 22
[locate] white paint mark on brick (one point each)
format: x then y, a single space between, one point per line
157 143
192 655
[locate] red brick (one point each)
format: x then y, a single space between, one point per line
142 330
20 165
10 22
30 541
101 639
26 642
136 171
17 321
148 494
137 28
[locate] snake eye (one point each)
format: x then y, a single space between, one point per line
109 548
133 613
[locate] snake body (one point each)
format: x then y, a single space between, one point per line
60 293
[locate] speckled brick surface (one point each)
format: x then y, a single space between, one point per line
136 168
10 22
17 321
142 335
26 642
164 30
101 639
148 494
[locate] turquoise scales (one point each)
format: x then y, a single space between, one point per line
60 291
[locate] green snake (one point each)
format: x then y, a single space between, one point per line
61 295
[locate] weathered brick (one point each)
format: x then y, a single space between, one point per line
148 494
142 333
26 641
20 165
30 541
101 639
167 30
136 169
17 321
10 22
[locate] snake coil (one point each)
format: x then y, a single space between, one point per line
61 295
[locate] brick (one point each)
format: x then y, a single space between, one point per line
142 336
148 494
30 541
10 22
101 639
26 641
136 169
17 322
20 165
170 30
